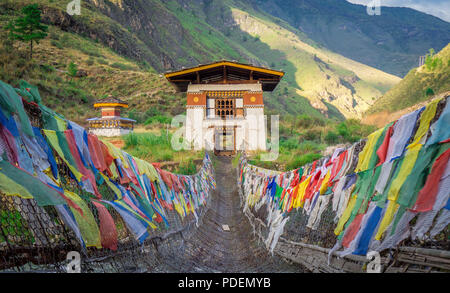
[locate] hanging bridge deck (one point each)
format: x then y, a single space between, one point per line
210 248
226 240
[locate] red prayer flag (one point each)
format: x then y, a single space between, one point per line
352 230
108 231
382 150
427 195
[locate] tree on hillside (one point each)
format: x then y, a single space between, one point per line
28 28
429 92
72 70
432 61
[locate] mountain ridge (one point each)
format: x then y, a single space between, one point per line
166 35
421 85
399 35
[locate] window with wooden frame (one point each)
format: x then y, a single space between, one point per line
225 108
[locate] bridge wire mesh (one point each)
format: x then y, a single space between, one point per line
35 238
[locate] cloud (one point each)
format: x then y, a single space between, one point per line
438 8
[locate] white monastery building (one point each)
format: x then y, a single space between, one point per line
225 107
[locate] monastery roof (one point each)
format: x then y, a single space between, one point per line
228 72
110 102
112 118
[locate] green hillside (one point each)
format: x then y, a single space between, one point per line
158 36
335 86
123 47
420 85
392 41
106 72
327 79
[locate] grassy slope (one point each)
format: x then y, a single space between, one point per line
155 146
108 74
391 42
412 89
305 139
320 75
284 100
112 74
141 88
334 85
74 98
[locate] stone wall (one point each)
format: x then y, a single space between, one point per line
315 258
110 132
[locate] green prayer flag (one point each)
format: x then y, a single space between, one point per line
14 181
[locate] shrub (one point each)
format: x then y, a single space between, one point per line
153 111
47 68
284 131
304 121
58 79
91 51
167 156
158 119
432 62
343 130
331 137
312 134
302 160
65 38
54 36
72 69
308 146
187 168
135 115
145 66
290 143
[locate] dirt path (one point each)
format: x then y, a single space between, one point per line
211 248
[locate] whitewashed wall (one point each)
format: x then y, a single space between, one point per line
250 131
110 132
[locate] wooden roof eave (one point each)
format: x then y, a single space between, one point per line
218 66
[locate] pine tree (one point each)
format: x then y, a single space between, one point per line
29 27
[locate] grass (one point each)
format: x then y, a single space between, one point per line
413 88
304 139
214 42
122 66
314 70
310 69
107 74
156 147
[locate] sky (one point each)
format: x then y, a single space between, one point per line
439 8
